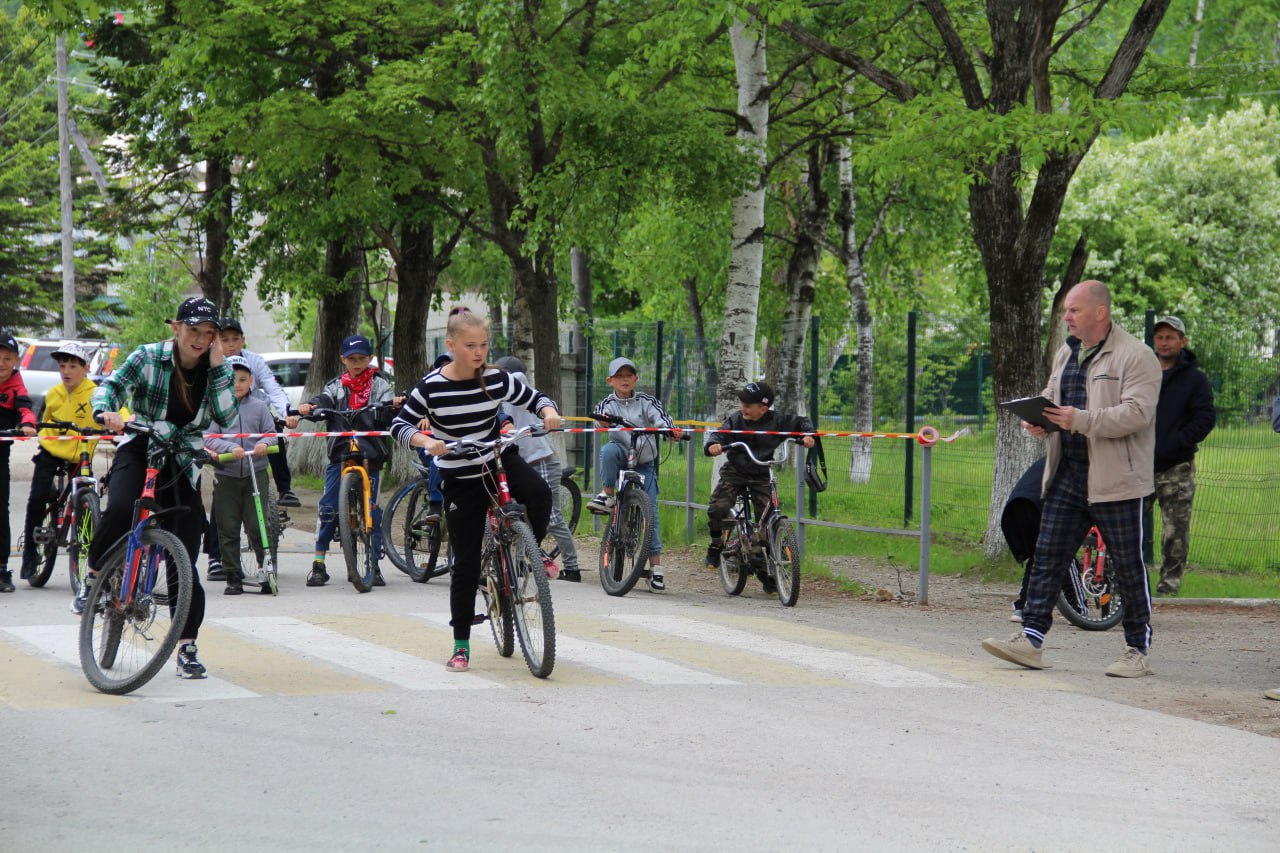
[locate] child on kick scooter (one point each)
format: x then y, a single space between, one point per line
233 490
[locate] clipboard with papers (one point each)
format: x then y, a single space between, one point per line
1031 410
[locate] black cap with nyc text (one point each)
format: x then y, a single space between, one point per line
756 392
197 310
8 341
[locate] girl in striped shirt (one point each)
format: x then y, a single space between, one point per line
460 400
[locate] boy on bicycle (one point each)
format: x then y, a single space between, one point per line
357 387
739 473
232 489
15 410
640 410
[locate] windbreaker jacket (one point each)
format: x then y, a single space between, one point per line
1122 386
642 410
763 446
1185 413
336 396
15 403
74 406
254 416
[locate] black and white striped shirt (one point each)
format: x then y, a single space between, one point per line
461 409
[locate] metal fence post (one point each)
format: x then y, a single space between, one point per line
908 472
926 474
689 479
657 373
813 410
800 490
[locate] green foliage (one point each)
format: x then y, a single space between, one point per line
152 286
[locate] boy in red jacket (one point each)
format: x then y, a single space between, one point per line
15 412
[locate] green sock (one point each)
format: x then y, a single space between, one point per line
462 645
320 555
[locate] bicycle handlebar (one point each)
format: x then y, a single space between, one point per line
68 426
777 463
456 448
319 414
623 422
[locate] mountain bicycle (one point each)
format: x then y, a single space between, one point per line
767 546
259 561
411 536
513 579
624 542
1090 599
135 612
356 509
71 515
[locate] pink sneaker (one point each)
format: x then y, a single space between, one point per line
553 570
459 662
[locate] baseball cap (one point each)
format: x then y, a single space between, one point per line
619 363
756 392
197 310
8 341
237 361
441 360
1172 322
232 324
356 345
511 364
71 349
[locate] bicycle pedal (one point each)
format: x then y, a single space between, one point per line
479 618
41 535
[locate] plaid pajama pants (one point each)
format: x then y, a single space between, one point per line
1064 520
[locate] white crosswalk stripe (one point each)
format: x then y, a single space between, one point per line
624 662
62 643
365 658
848 665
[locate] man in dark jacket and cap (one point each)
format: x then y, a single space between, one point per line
1184 416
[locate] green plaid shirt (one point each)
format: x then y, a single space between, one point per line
142 383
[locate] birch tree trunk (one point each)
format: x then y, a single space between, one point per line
856 282
811 220
738 334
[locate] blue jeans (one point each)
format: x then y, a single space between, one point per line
327 520
613 458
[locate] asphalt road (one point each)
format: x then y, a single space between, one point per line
686 721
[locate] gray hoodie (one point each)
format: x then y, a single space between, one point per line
531 449
641 410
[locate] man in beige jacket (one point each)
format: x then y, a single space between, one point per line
1098 468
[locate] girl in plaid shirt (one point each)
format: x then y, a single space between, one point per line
178 387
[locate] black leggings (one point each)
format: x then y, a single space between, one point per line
173 488
466 502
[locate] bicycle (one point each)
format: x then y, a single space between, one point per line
71 515
264 569
355 504
513 578
412 538
124 638
767 546
624 542
1094 603
570 498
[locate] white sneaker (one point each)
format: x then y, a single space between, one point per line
656 583
1132 664
1016 616
601 504
1017 649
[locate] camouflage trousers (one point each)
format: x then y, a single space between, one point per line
1175 487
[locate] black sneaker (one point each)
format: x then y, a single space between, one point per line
377 578
288 498
571 575
216 572
318 576
235 584
434 509
82 594
6 581
189 665
28 569
713 555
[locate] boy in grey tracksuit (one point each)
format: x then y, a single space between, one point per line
540 454
639 410
232 488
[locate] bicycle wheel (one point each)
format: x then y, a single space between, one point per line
570 502
46 536
123 644
784 562
394 526
734 565
496 606
423 538
624 546
355 536
531 611
1092 604
84 523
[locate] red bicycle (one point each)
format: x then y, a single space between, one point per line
1089 599
134 614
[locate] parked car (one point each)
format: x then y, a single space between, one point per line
40 370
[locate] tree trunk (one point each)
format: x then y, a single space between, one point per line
738 334
812 218
856 283
417 271
709 372
1055 336
217 230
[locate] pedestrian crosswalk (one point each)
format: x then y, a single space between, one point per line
253 656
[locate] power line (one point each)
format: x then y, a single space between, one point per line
23 100
29 145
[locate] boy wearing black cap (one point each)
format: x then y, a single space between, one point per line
357 387
15 412
739 472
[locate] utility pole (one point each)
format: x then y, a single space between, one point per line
64 187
